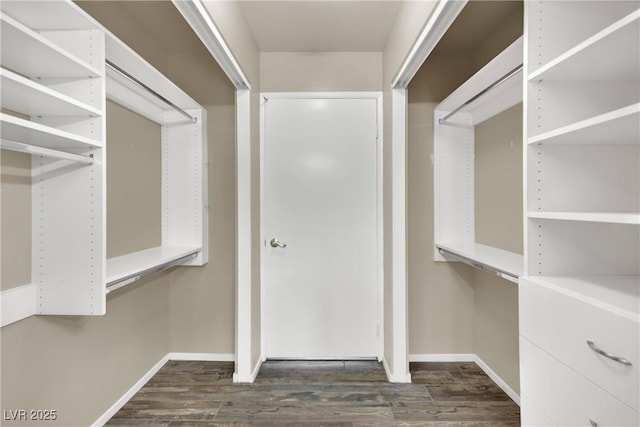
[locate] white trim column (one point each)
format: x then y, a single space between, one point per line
195 13
400 369
243 370
442 17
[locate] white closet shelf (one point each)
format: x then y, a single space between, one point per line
16 129
51 16
124 91
607 217
603 56
131 266
502 96
616 292
621 126
33 99
25 51
508 265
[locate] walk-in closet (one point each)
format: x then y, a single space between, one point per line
317 212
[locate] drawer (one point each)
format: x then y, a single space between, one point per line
561 324
531 416
566 397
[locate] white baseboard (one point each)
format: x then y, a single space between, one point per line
499 381
397 379
254 373
468 357
386 369
256 369
199 357
203 357
130 393
17 303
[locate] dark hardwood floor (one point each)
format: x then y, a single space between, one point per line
318 394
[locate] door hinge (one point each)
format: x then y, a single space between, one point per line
377 329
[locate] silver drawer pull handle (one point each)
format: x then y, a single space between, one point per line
618 359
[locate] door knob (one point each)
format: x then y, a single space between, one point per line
276 244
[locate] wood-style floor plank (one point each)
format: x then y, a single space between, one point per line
314 394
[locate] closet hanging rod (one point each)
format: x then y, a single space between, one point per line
484 91
118 283
151 91
41 151
473 263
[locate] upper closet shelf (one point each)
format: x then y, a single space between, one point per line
135 84
621 126
25 51
606 217
51 16
505 264
33 99
16 129
493 89
604 56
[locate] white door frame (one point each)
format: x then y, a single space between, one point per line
379 210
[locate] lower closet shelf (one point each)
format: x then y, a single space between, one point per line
505 264
18 129
128 268
619 292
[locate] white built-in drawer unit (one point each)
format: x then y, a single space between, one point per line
568 398
559 317
579 295
531 415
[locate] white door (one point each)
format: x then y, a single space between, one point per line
320 201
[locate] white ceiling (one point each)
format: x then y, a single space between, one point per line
321 26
